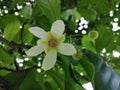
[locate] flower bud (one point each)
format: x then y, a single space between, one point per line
93 34
77 56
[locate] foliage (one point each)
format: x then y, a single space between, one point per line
95 58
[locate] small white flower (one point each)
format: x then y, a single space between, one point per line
51 42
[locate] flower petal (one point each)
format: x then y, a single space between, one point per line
66 49
38 32
58 27
34 51
42 42
49 60
61 39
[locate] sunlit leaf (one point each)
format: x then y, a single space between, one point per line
12 28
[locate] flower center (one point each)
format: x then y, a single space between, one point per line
52 42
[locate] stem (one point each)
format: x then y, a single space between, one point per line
13 45
12 70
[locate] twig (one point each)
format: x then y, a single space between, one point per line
7 69
22 70
33 67
13 45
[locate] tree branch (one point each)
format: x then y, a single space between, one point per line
22 70
7 69
13 45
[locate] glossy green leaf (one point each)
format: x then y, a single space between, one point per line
105 78
5 20
50 8
24 35
12 28
27 36
6 59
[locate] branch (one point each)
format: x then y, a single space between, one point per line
13 45
22 70
33 67
7 69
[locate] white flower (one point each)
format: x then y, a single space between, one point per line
51 42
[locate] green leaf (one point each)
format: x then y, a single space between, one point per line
48 86
49 83
70 84
32 81
6 60
115 64
43 23
92 13
104 38
74 76
70 17
50 8
5 20
12 28
26 35
89 68
97 4
105 78
23 35
84 3
108 5
88 43
14 2
26 11
74 62
16 78
57 78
